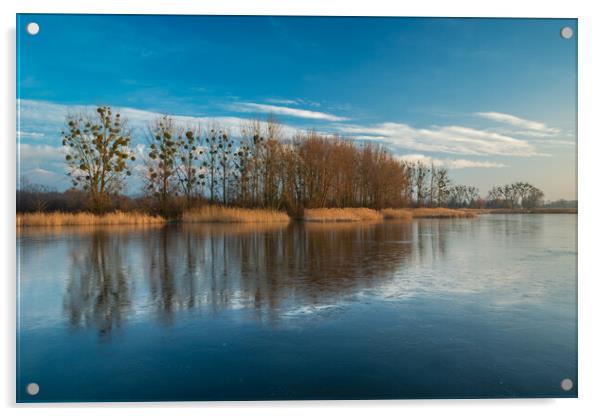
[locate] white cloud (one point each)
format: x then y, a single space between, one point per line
29 135
284 111
530 128
42 163
450 163
41 176
296 101
282 101
49 118
40 153
445 139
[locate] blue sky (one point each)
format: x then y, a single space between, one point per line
494 100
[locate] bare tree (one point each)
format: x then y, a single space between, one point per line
161 164
442 185
191 178
215 138
224 153
420 178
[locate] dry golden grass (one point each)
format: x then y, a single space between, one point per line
214 213
59 219
397 214
342 214
408 214
441 213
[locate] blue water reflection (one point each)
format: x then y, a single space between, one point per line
432 308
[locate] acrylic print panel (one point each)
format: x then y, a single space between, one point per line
289 208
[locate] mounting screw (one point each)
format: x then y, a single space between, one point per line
32 28
32 389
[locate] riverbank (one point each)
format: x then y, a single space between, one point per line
521 211
413 213
57 219
219 214
341 214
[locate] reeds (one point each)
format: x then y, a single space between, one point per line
409 214
441 213
59 219
342 214
215 213
219 214
397 214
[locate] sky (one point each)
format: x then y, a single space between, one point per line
492 100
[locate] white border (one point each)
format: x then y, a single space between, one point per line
590 151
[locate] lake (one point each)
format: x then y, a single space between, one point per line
435 308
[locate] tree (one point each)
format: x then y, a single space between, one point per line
515 195
473 196
242 170
213 158
161 163
420 178
533 197
442 185
224 152
32 196
253 140
190 176
270 157
97 154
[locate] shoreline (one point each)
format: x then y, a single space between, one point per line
227 215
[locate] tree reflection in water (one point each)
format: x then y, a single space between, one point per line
270 269
98 290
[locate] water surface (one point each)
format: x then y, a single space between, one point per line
445 308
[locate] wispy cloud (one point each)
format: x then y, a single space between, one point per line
29 135
284 111
42 163
48 119
296 101
451 163
40 153
530 128
443 139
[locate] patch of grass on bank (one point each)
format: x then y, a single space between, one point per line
397 214
341 214
408 214
58 219
214 213
441 213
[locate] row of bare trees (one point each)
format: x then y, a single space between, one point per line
260 167
430 186
515 195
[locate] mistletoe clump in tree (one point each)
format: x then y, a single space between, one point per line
98 151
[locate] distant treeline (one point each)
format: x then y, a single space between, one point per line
561 203
185 166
